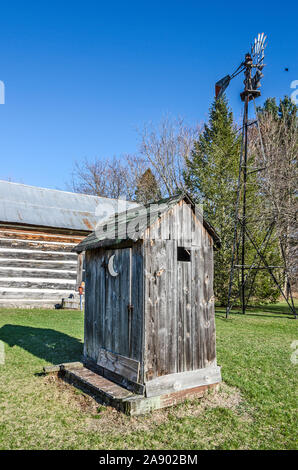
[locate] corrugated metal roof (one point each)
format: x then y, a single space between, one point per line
122 226
31 205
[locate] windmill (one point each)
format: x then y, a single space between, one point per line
252 66
253 60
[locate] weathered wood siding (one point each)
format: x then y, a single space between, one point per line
179 305
37 267
109 323
170 329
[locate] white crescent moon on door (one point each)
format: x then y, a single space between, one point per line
111 266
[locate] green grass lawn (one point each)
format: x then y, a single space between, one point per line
254 409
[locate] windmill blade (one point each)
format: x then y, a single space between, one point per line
256 80
262 44
258 54
221 86
258 47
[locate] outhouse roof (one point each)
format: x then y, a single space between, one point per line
121 226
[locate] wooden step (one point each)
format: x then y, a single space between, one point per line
111 394
108 392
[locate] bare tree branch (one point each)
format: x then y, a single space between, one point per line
276 151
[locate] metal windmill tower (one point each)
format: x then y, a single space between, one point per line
252 67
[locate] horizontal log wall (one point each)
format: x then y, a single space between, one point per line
37 266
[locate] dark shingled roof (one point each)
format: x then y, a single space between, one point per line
120 224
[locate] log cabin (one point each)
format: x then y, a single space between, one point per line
38 229
149 308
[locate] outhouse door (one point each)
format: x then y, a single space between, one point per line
118 315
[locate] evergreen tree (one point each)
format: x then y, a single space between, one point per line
147 188
286 110
211 177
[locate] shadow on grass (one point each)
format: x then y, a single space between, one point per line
50 345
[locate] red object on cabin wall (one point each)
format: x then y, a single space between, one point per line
81 289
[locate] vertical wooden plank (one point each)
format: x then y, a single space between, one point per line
195 337
198 267
155 308
80 262
186 224
95 309
108 306
197 227
165 225
89 307
137 302
152 329
198 332
185 360
203 306
116 300
149 311
179 223
100 299
187 310
210 314
180 325
129 314
172 289
124 302
93 351
171 312
185 290
87 304
161 304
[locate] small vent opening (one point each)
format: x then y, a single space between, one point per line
183 254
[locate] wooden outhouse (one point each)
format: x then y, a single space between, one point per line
149 310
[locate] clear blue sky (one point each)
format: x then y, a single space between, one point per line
80 76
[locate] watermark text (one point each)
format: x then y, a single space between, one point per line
294 94
2 92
